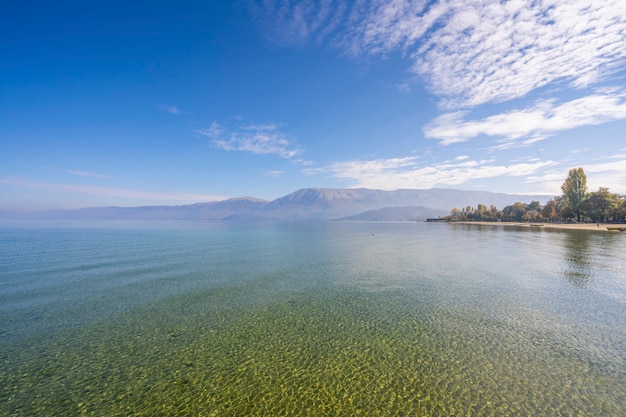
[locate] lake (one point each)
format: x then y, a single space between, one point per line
297 319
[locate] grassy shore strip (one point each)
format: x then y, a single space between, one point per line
603 227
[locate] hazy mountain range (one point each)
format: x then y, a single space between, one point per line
307 204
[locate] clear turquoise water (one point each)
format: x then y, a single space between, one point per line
208 319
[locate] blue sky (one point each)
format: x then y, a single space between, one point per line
121 103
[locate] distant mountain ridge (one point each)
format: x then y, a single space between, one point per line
398 214
308 204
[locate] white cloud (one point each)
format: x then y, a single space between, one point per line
303 162
295 22
496 51
273 173
396 173
214 131
383 27
260 127
263 139
610 173
470 52
273 143
532 124
169 109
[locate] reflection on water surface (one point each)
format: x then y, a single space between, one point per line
579 270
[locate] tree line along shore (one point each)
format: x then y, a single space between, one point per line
576 206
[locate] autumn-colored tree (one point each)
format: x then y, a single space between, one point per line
549 211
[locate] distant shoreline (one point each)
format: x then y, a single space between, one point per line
601 227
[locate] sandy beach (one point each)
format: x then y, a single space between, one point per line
602 227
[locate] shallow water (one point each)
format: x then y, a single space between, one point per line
325 318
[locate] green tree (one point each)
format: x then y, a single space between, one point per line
574 204
622 210
482 212
534 205
598 205
514 213
615 212
494 213
575 190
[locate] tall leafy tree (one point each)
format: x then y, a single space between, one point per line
601 205
575 190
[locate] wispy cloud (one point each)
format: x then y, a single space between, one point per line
169 109
608 172
296 22
264 139
475 52
89 174
611 174
110 191
382 27
470 52
532 124
396 173
273 173
496 51
214 131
